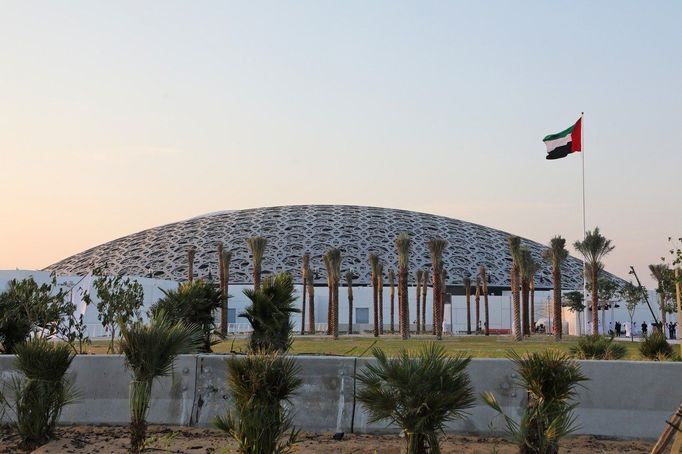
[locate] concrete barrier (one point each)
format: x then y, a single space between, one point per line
622 399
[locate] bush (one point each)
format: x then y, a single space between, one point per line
261 384
420 393
44 391
597 347
270 314
656 347
551 378
193 303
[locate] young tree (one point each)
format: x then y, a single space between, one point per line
514 249
664 277
120 301
403 245
257 245
632 295
573 301
594 248
556 254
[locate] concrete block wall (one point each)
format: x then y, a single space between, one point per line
622 399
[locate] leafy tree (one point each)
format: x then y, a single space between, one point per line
665 289
270 314
149 353
120 301
573 301
594 248
632 295
550 378
193 303
418 392
28 308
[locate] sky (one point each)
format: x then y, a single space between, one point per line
120 116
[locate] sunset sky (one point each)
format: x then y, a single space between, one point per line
120 116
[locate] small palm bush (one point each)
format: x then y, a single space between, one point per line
418 392
149 353
550 378
270 314
597 347
193 303
261 384
45 389
656 347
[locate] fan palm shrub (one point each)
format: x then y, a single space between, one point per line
403 245
193 303
149 353
550 378
515 251
257 245
557 254
656 347
597 347
44 390
261 385
418 392
436 247
270 313
594 248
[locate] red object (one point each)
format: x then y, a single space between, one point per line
577 136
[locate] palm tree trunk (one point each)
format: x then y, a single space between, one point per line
664 320
418 299
381 304
392 296
595 301
223 293
477 299
303 305
227 288
330 305
311 306
425 289
256 277
375 298
486 327
467 292
335 316
405 304
438 290
558 329
532 306
350 309
435 290
518 335
525 294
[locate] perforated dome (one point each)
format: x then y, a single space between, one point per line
293 230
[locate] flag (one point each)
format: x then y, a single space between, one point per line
563 143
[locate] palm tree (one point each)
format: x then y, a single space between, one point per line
514 248
526 269
403 245
380 286
374 266
594 248
221 274
425 288
466 282
556 255
304 278
191 253
535 269
349 284
418 295
419 393
662 274
335 259
257 246
484 288
391 281
149 353
477 299
226 259
330 291
310 278
436 248
443 288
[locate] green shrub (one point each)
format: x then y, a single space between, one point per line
597 347
550 378
261 384
419 393
44 390
656 347
193 303
149 353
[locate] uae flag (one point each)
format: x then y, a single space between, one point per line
563 143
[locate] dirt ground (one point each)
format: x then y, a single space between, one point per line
163 439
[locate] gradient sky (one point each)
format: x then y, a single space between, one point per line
120 116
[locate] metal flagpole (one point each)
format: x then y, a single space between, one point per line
582 153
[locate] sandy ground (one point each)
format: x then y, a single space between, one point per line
163 439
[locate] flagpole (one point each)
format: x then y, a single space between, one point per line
582 153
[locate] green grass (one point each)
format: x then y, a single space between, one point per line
476 346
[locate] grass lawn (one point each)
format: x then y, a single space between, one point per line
476 346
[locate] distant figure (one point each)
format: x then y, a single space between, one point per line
671 330
628 328
644 329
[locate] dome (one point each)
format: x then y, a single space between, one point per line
292 231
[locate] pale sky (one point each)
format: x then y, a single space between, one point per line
120 116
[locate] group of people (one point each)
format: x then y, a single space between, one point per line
618 329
